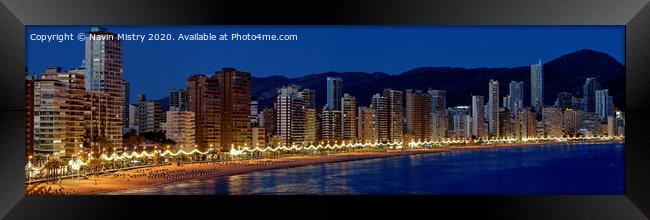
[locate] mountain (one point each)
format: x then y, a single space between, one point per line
563 74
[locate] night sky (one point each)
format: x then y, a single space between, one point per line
155 67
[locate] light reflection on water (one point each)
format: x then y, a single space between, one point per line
542 169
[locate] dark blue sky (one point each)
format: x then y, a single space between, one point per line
154 67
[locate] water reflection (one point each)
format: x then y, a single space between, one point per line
544 169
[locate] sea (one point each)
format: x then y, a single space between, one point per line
567 169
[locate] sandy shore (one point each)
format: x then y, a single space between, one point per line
141 177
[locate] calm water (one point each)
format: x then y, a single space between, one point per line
541 169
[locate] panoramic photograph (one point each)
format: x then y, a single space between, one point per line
324 110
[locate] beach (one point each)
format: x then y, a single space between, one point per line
150 176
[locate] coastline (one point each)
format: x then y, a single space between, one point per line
152 176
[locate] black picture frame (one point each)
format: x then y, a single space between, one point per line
634 14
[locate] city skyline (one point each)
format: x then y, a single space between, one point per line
142 60
76 115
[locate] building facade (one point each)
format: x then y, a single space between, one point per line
418 113
537 86
180 127
493 108
334 93
348 117
104 73
395 100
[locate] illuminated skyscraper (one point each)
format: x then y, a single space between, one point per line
290 116
460 118
395 114
59 110
589 94
204 99
604 104
571 121
331 125
438 114
537 86
334 93
310 125
236 95
553 118
493 108
348 117
478 117
516 94
103 66
590 124
418 112
379 104
366 126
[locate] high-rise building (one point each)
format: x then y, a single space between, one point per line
478 117
334 93
379 104
204 99
366 126
418 113
269 123
620 123
571 121
255 114
506 102
236 95
133 109
525 124
590 124
49 119
148 115
516 94
29 114
178 99
103 66
59 110
125 108
258 135
552 118
458 122
310 125
611 126
504 123
493 108
96 119
179 127
331 125
395 114
438 114
348 117
537 86
589 94
604 104
222 107
309 97
290 116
